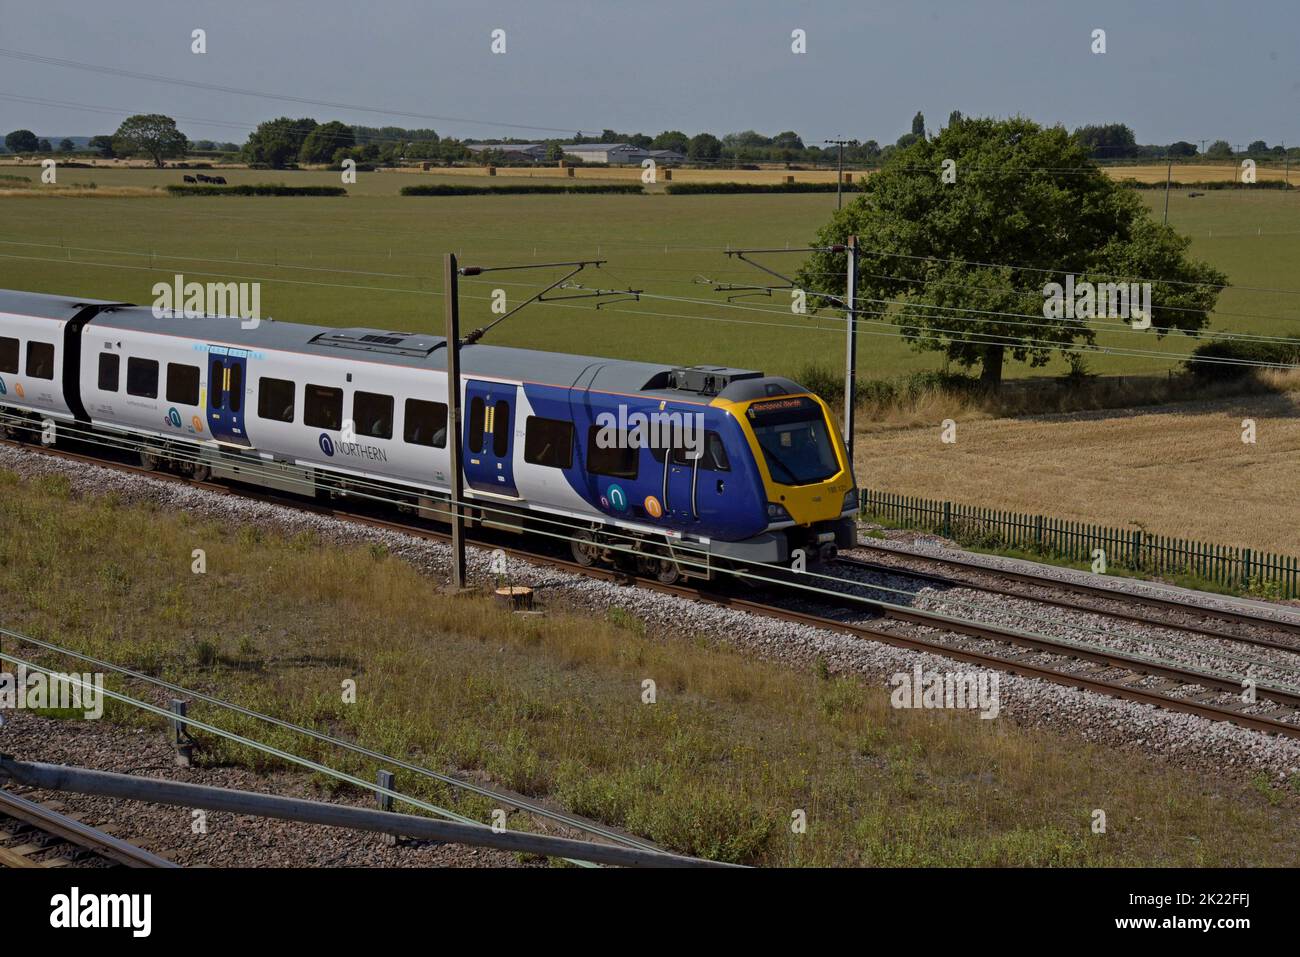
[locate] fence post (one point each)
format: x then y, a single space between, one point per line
1137 550
384 801
181 739
947 519
1245 568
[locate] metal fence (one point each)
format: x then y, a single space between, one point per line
1134 549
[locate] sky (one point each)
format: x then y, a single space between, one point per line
1172 69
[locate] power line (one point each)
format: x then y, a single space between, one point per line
262 94
972 338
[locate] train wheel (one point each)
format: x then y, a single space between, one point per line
584 548
668 573
149 459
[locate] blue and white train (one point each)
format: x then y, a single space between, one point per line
336 411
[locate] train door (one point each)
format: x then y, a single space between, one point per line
489 439
680 485
227 388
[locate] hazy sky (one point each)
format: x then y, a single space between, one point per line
1174 69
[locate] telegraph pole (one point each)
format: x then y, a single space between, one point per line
1169 174
851 357
451 296
839 169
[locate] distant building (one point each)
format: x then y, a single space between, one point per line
667 156
514 152
612 153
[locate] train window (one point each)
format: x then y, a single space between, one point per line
142 377
372 414
40 360
110 370
501 429
8 355
548 442
426 423
275 399
182 384
476 414
713 455
216 382
322 407
235 396
617 462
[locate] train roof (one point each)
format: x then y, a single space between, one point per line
411 349
42 306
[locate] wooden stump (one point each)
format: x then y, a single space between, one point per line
516 597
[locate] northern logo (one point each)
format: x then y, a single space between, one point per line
3 390
327 444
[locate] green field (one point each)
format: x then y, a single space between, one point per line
375 258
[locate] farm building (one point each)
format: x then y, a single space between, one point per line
516 152
606 152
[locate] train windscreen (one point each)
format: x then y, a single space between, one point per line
795 440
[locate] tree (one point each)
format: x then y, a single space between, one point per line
43 146
1181 149
748 139
149 134
320 145
66 145
671 140
1111 141
278 142
704 146
554 151
789 140
1220 149
1257 148
22 141
918 124
104 146
962 266
907 139
954 117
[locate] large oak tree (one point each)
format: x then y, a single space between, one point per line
961 266
149 134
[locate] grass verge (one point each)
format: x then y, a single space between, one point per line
553 707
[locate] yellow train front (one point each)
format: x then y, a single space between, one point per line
803 469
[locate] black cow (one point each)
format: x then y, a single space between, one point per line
219 180
202 178
189 179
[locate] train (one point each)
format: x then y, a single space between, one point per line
671 471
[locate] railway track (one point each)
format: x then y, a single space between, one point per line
1221 616
1105 671
40 835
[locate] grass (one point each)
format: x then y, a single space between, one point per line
1179 470
116 247
551 707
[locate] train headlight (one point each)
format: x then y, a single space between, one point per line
777 513
850 501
